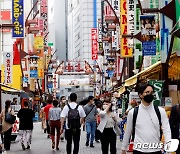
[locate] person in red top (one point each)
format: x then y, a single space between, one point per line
46 110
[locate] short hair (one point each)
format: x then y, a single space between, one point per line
14 99
62 97
26 103
142 86
73 97
90 98
49 101
55 103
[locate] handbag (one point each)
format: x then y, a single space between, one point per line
117 130
9 118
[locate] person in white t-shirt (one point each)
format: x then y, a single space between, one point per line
72 133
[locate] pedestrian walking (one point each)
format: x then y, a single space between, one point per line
25 116
74 115
147 122
6 125
61 105
97 132
106 127
175 124
55 124
90 120
46 110
42 116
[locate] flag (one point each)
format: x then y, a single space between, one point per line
88 69
60 69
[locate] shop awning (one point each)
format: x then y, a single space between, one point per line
133 80
121 90
8 88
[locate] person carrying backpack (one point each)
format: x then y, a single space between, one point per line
146 122
74 115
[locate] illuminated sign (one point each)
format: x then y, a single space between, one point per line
18 18
94 43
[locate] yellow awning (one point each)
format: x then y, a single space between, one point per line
121 90
8 88
132 80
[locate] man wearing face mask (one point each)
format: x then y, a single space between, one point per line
147 124
90 120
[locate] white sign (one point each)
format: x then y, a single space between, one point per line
134 96
8 63
168 101
131 20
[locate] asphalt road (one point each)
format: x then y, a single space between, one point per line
42 145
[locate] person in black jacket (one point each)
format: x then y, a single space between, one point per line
25 116
174 121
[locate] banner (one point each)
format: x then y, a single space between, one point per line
55 81
116 7
131 20
94 44
158 85
8 63
18 18
119 67
125 50
148 34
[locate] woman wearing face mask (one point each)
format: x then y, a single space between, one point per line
106 127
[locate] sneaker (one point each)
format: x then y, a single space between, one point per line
62 138
91 145
57 148
87 144
53 145
28 147
23 147
48 136
97 141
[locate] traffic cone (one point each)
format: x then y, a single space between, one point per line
130 148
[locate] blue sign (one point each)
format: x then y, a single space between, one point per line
148 34
18 18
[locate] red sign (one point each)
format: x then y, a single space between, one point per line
94 44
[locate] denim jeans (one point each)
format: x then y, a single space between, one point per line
90 129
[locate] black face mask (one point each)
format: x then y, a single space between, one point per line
148 98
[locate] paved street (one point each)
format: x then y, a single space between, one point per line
42 145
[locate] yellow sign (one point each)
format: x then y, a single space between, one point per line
38 42
125 50
40 68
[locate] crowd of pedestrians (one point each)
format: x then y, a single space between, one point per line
62 119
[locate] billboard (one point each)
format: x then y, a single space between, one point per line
8 62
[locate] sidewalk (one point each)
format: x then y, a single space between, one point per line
42 145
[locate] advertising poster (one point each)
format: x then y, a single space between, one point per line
33 72
50 81
148 34
18 18
38 42
125 50
8 62
100 36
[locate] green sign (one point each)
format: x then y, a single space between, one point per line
50 44
158 85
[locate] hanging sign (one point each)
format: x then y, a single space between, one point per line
8 60
18 18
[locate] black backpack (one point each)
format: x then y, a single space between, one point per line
73 118
135 113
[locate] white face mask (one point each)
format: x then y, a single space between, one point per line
104 107
64 101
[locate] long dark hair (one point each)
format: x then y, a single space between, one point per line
7 105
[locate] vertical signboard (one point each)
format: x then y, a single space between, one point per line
148 34
115 5
100 36
40 68
44 17
94 44
18 18
158 85
8 62
33 67
125 50
130 22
